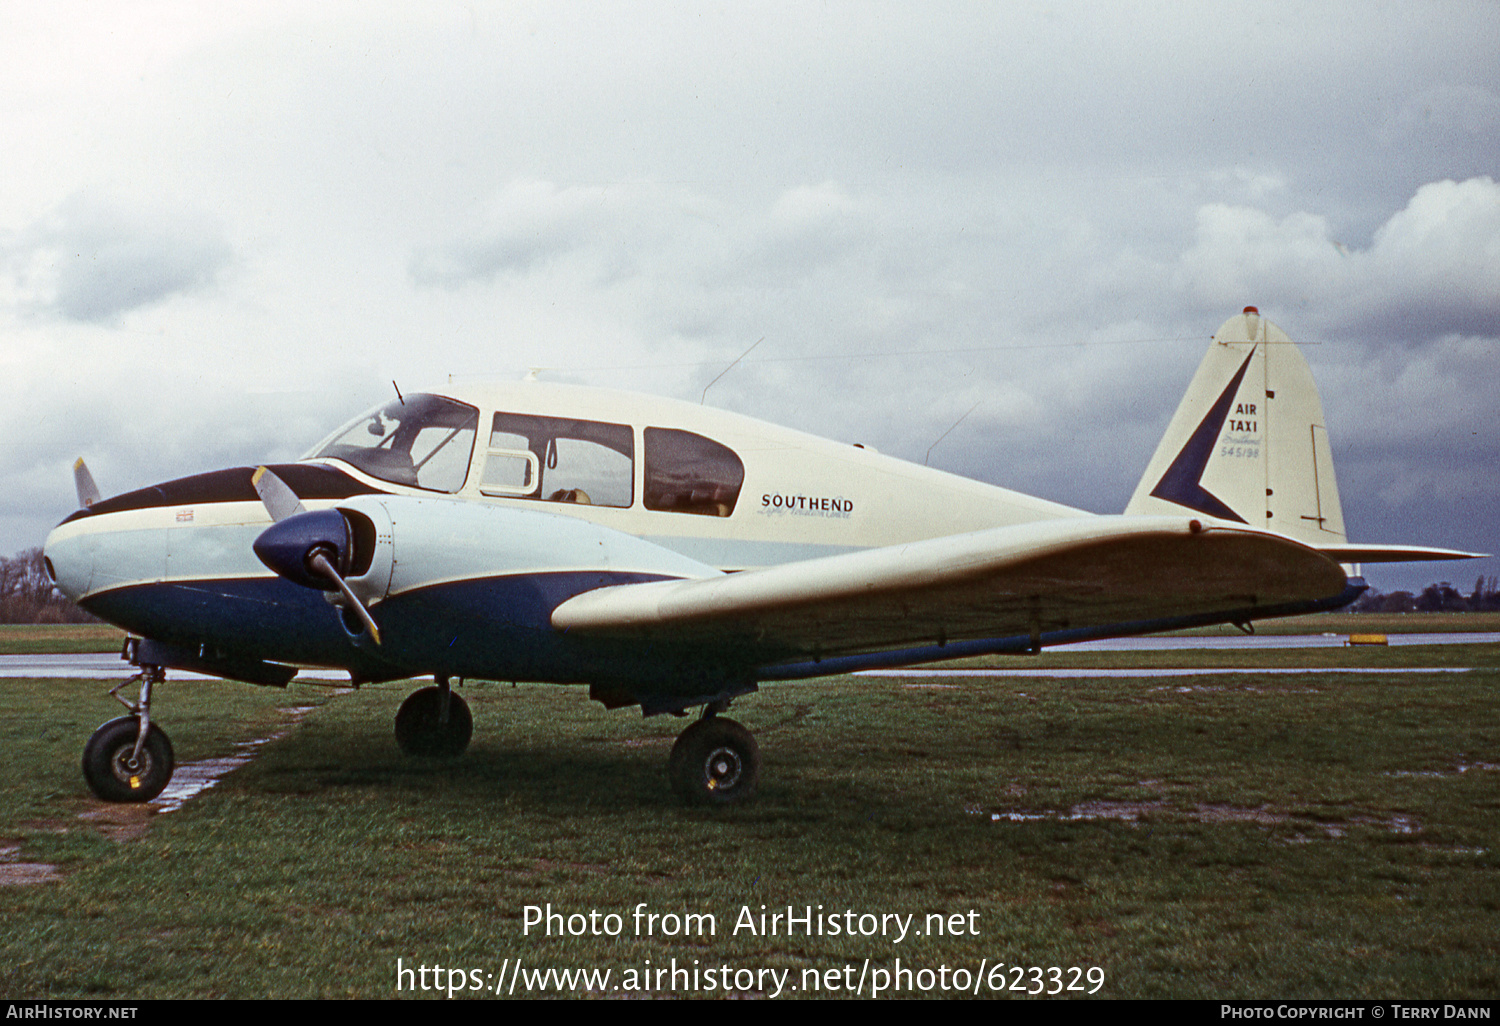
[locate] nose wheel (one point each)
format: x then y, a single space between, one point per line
129 759
715 762
119 770
434 723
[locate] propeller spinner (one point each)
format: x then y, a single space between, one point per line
314 549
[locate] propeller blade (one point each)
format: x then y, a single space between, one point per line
319 562
276 495
88 492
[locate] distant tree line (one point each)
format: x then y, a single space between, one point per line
1435 598
27 594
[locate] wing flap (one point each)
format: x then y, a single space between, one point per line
1033 578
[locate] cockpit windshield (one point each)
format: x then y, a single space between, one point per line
424 441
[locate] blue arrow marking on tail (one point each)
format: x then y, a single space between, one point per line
1181 482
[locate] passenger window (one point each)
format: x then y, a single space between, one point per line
509 473
687 473
560 460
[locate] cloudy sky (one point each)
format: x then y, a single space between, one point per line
225 229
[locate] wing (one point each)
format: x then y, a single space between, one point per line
1030 580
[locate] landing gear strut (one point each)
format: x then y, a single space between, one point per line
129 759
714 762
434 722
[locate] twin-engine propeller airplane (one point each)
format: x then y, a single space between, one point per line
673 556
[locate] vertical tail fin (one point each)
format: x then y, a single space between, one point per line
1248 442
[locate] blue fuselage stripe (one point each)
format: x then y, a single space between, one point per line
494 628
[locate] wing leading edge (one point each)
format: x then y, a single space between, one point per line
1029 580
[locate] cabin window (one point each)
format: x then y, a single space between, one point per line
422 441
687 473
560 460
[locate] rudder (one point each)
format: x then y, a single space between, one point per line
1248 442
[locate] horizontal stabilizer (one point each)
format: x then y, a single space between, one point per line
1392 553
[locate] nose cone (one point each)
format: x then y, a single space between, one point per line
69 559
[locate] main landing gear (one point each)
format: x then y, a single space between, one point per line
129 759
715 761
434 723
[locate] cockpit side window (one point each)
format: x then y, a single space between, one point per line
560 460
687 473
423 441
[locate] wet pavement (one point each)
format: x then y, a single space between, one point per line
107 665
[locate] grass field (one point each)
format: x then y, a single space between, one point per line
1309 835
63 638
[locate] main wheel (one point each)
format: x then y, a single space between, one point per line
420 729
111 771
715 762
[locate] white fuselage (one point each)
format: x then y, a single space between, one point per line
802 496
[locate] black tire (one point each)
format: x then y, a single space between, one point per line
715 762
107 766
421 731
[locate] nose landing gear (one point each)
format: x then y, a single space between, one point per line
129 759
